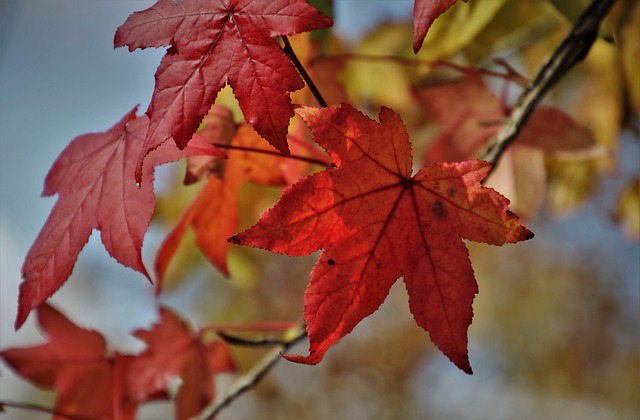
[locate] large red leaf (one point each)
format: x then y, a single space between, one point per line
94 179
424 13
214 43
75 363
376 223
175 352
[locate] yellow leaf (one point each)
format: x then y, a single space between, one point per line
629 209
457 28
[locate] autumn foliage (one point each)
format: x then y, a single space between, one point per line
377 209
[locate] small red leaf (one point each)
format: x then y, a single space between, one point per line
377 223
173 352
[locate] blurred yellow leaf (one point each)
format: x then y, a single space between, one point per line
628 213
457 27
570 183
516 24
629 43
374 83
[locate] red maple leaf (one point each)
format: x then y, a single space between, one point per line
214 212
94 179
376 223
75 363
469 114
214 43
174 351
424 13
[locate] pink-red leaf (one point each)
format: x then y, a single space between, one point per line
214 43
469 114
93 177
376 223
424 13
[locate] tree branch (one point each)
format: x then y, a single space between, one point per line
257 372
573 49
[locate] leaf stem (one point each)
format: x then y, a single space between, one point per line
288 50
275 153
416 62
572 49
39 408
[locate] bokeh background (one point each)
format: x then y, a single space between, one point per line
556 332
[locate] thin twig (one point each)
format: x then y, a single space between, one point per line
251 342
288 50
573 49
275 153
413 62
253 376
39 408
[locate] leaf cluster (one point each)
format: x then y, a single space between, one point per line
350 185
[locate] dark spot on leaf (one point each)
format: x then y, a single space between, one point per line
451 192
509 213
331 262
439 210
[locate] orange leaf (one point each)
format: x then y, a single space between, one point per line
214 212
377 223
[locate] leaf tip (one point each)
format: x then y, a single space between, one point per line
312 359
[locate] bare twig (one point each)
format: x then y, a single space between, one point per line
40 408
573 49
257 372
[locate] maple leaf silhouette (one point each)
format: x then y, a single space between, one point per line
93 177
75 363
377 223
213 43
424 13
174 351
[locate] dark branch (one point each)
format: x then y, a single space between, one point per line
257 372
573 49
288 50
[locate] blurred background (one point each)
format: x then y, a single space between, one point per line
556 331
